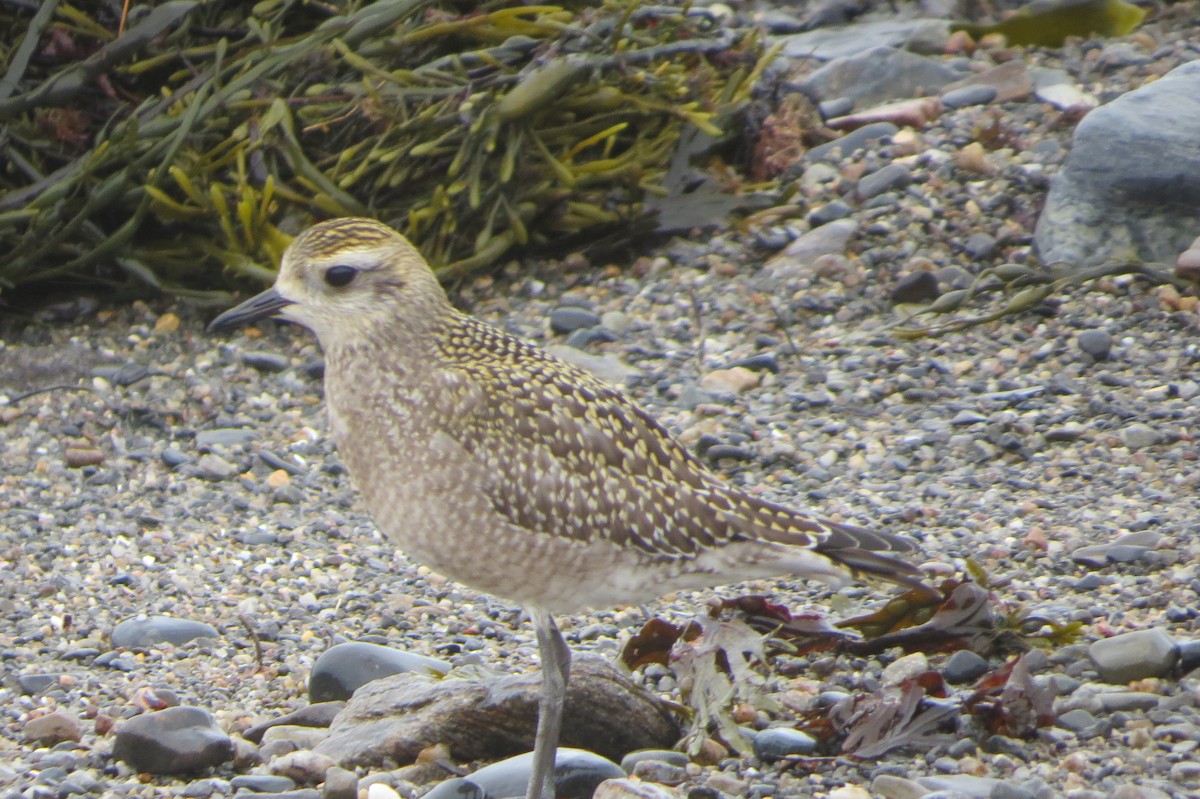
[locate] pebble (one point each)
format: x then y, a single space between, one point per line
51 729
1134 656
730 381
964 666
888 178
1096 343
916 287
569 318
303 766
776 743
148 631
262 783
1140 436
171 741
267 362
965 96
342 669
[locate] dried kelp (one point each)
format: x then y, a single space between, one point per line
204 135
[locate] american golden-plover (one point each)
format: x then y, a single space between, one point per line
520 475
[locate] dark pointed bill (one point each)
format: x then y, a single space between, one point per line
257 307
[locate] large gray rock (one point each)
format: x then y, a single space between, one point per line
1130 188
388 722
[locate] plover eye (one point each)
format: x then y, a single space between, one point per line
338 276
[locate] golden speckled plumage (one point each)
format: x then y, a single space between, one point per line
518 474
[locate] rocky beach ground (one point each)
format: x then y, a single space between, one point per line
152 469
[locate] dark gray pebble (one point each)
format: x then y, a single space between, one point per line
969 95
158 630
829 212
776 743
173 457
172 741
342 669
915 287
569 318
717 452
33 684
836 107
980 246
265 361
1096 343
763 362
315 715
964 666
889 178
581 338
1189 656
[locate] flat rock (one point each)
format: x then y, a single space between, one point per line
878 76
389 721
152 630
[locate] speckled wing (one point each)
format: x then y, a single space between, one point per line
570 456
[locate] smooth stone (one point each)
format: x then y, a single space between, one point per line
225 437
829 212
266 362
980 246
1075 720
304 766
888 178
966 96
344 668
171 741
172 457
569 318
215 468
1139 436
668 756
1128 700
964 666
1189 656
262 783
34 684
776 743
1096 343
577 773
151 630
340 783
52 728
918 286
1134 656
890 786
